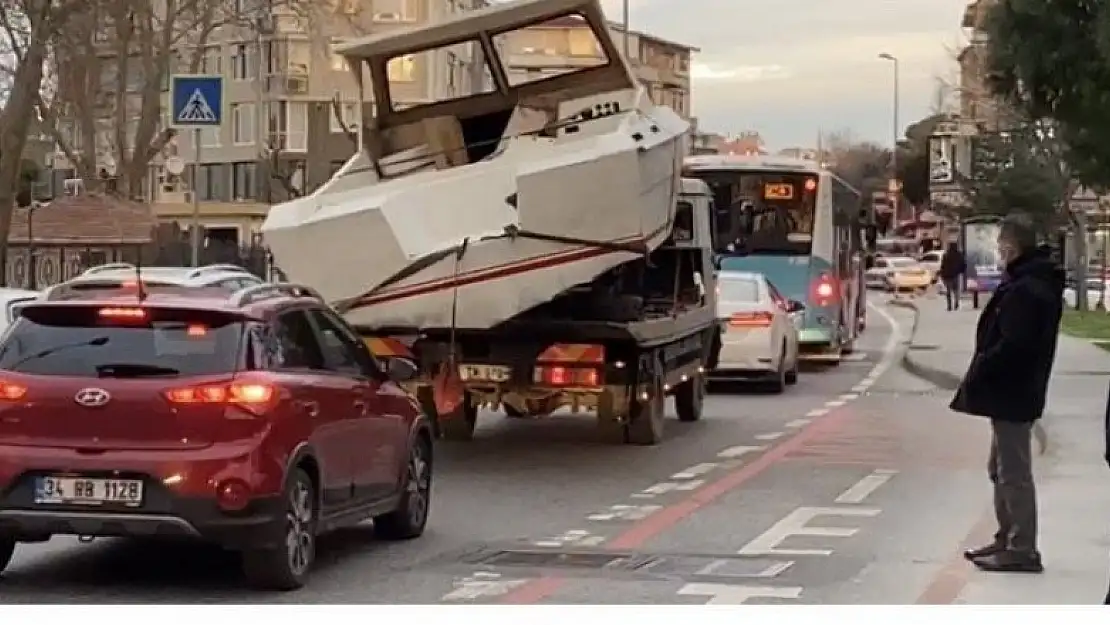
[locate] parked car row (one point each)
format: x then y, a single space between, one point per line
204 404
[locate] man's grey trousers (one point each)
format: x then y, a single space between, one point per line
1015 498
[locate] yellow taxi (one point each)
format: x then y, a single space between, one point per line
907 274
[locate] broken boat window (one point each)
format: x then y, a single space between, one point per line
467 74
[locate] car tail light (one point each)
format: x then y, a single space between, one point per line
824 289
566 376
250 395
751 320
10 391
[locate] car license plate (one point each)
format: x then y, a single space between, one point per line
485 373
88 491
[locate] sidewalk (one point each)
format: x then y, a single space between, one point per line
1073 481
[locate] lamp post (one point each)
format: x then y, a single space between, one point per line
896 191
624 39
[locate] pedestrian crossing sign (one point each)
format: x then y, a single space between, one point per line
197 100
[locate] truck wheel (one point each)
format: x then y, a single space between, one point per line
7 551
511 412
646 420
689 397
459 426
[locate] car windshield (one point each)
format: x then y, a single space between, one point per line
743 290
118 342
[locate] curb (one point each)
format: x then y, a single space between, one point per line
942 379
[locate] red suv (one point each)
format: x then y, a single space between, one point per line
256 421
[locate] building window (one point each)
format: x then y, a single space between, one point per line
288 126
243 62
210 185
243 180
349 112
300 58
242 124
402 69
212 61
338 62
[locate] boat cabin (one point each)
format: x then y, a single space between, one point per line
400 138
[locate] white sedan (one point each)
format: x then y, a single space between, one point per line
760 331
1096 290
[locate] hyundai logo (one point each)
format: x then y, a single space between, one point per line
92 397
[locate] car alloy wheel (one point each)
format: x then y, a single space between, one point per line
300 539
419 486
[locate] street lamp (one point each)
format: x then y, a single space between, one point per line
625 40
894 148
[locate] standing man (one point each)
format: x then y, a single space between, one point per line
952 266
1007 380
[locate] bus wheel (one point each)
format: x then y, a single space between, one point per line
848 347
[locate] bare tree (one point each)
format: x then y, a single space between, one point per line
109 72
27 28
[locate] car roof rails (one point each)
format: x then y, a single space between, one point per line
269 290
226 267
108 267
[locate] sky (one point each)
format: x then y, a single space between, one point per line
792 68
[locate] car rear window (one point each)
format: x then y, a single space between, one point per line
90 341
739 290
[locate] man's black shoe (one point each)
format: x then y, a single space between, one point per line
982 552
1010 562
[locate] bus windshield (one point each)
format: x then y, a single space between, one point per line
763 212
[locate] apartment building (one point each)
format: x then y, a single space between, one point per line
566 43
279 128
977 106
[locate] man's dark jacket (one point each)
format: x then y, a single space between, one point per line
952 265
1015 343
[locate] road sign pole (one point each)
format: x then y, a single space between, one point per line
195 230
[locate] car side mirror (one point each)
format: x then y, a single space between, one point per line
401 369
794 306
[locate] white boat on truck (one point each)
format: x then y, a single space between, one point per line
469 211
616 346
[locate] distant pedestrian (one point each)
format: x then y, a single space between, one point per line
1007 381
952 267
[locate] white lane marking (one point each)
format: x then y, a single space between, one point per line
836 403
738 451
571 537
820 412
794 524
849 396
624 512
663 488
861 490
776 569
797 423
482 584
860 388
695 471
727 594
770 436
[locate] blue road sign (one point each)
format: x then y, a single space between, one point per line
197 100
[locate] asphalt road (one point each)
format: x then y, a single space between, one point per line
532 511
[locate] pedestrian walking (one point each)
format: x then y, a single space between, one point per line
952 268
1007 381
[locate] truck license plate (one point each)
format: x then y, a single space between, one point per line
88 491
485 373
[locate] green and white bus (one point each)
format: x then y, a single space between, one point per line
802 227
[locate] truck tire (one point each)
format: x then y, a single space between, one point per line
460 425
646 419
689 397
512 413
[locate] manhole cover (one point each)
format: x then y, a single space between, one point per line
924 348
561 559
